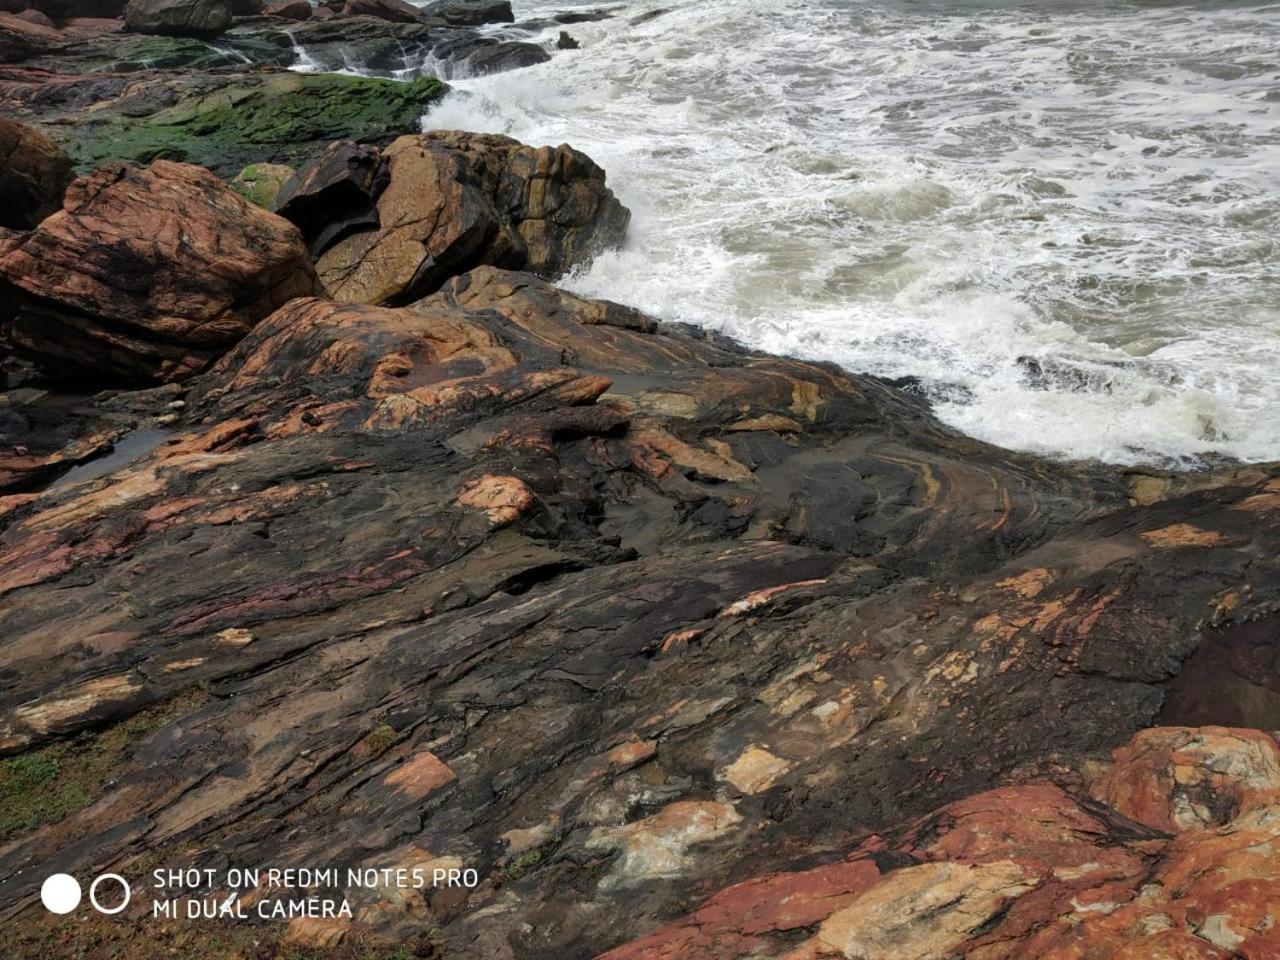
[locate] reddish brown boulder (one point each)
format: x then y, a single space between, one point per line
21 39
149 274
37 17
83 28
456 201
397 11
1182 778
34 173
289 10
68 9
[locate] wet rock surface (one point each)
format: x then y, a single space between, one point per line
688 651
335 194
471 13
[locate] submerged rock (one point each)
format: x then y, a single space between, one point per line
178 18
34 173
454 201
148 275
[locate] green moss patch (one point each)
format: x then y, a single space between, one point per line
279 118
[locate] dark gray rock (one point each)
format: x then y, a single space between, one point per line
471 13
178 18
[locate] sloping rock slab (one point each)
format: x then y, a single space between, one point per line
620 615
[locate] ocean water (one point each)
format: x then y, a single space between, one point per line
1063 218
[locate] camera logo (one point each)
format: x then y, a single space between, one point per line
61 893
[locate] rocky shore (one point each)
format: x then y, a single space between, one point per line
334 533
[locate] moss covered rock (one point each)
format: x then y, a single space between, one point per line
259 118
260 182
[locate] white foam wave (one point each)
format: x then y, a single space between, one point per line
1063 218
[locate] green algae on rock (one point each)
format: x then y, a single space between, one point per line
268 118
260 182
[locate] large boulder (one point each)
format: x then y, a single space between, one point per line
21 39
455 201
34 173
178 18
397 11
259 183
471 13
37 17
289 10
148 274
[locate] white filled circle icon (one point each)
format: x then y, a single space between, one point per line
60 893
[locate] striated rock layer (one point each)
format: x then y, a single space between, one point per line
689 652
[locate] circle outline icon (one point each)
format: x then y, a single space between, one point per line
93 893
